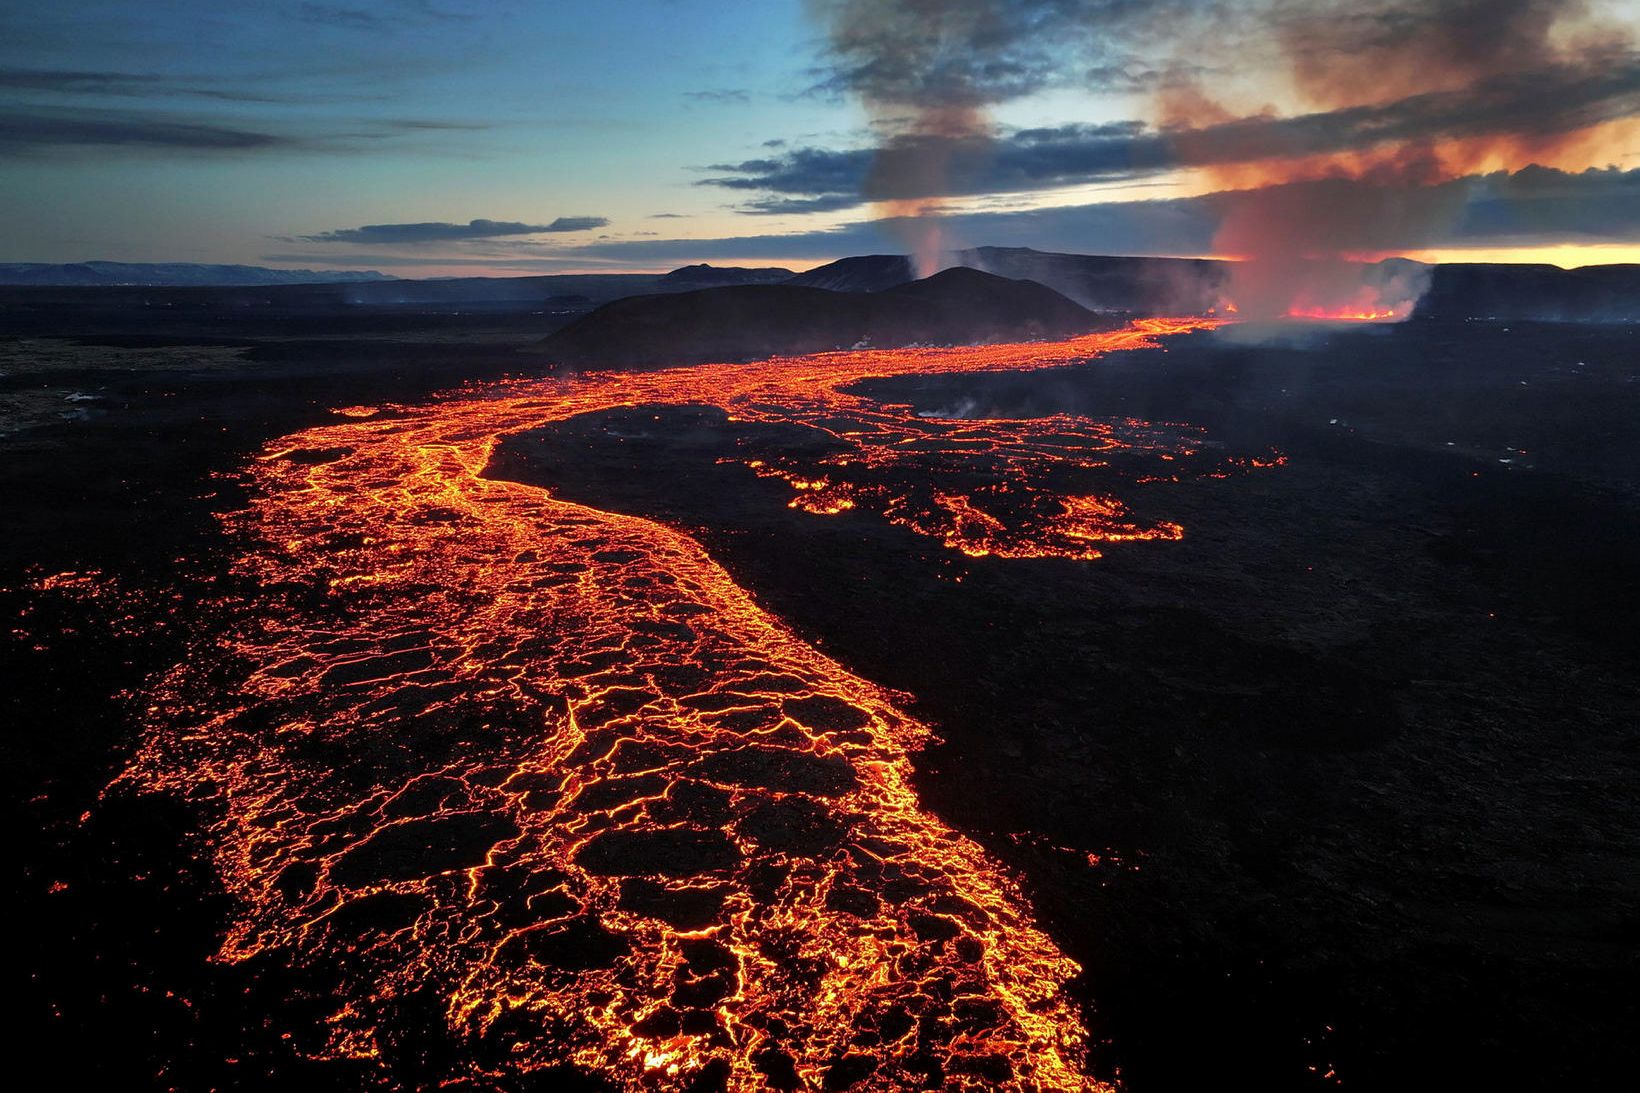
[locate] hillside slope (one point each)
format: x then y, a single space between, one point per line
745 322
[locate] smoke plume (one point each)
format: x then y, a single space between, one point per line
1303 224
1388 105
927 71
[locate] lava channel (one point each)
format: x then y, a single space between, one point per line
551 767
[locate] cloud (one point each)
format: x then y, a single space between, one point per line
441 232
40 129
433 125
974 53
1407 92
790 206
1536 205
735 96
1529 207
68 80
331 259
382 17
334 15
1537 103
23 130
60 83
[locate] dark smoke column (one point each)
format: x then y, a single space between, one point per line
926 71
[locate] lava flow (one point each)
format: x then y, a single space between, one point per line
551 768
1349 314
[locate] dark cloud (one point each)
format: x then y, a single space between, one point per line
66 80
925 53
1533 206
334 15
1134 75
801 174
331 259
381 17
441 232
1528 207
816 179
1361 50
432 125
723 96
1544 102
1538 205
1389 98
797 206
42 129
71 82
24 131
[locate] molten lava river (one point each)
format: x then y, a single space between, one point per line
550 766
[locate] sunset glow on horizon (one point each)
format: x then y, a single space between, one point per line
462 140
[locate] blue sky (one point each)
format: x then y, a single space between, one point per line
629 134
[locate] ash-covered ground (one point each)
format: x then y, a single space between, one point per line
1340 787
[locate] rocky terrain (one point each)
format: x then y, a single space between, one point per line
955 307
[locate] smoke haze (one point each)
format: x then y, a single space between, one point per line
1390 105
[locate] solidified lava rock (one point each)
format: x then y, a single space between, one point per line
381 912
580 944
780 769
793 824
684 908
692 802
672 852
421 848
611 793
824 713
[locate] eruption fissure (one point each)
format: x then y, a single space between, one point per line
552 767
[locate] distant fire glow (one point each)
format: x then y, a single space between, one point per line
551 768
1348 314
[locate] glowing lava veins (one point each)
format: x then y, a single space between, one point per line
553 768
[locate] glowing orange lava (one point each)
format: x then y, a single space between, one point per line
1361 315
553 768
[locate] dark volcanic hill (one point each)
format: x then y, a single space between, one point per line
1190 286
745 322
1599 294
705 275
862 273
1145 286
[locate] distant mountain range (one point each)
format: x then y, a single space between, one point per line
1465 290
172 273
745 322
708 276
1103 284
1186 286
1176 286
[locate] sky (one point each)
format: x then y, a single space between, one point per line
448 137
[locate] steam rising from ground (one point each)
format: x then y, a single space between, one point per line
916 66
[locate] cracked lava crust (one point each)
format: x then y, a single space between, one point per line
551 766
